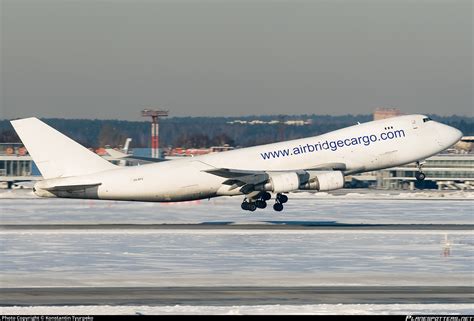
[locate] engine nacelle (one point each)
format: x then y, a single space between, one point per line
283 182
324 181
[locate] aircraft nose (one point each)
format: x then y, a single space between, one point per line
449 136
454 135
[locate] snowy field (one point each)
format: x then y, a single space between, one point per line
234 257
398 309
180 257
369 207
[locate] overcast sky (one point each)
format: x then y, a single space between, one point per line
111 59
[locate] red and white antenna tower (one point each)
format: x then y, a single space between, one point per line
155 128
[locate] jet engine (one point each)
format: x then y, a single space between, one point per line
284 182
280 182
323 181
306 180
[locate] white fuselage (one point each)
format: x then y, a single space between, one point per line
363 147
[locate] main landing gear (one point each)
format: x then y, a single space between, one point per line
279 201
248 206
419 175
261 202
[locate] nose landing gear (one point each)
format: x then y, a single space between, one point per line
419 175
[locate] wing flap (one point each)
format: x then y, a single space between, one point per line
232 173
329 167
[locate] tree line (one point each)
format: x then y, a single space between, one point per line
199 132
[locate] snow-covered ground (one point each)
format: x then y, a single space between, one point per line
128 257
398 309
235 257
376 207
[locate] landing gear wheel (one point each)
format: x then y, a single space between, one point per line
282 198
278 207
261 204
420 176
266 196
246 206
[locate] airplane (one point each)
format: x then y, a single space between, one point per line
123 156
120 155
316 163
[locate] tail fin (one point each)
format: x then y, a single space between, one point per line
127 145
55 154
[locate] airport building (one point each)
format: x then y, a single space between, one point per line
443 171
453 169
16 165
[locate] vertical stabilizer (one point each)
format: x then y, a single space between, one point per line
55 154
127 145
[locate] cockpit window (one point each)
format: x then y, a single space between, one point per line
426 119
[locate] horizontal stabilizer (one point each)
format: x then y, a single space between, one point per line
70 188
115 153
122 156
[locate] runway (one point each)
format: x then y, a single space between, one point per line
319 251
268 225
235 295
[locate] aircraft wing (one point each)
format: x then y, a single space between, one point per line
244 179
233 173
247 179
249 174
